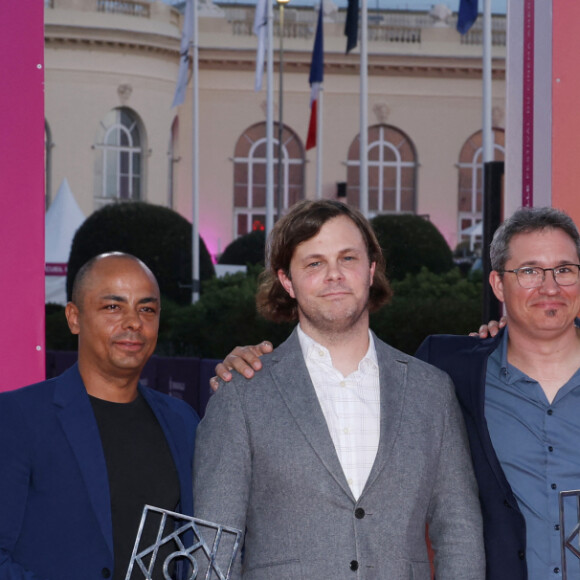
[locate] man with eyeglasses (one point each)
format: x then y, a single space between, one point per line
519 392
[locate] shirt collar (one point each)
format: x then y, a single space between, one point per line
312 350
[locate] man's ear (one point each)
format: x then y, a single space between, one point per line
373 268
286 283
72 317
496 283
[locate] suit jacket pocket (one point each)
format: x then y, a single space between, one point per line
280 570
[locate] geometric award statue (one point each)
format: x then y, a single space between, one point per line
171 545
569 502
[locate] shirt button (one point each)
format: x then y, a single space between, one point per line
354 565
553 486
557 527
346 430
556 570
550 412
342 384
359 513
550 449
521 555
105 573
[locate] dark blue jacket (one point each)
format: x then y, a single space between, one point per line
55 507
464 358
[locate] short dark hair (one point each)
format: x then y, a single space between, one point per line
301 223
526 220
87 267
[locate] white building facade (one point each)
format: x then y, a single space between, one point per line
111 67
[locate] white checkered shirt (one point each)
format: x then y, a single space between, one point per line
351 407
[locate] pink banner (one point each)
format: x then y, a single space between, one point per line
528 107
22 193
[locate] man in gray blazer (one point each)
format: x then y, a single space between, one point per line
336 457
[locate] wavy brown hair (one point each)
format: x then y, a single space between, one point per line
301 223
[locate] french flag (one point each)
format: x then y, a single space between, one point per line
316 74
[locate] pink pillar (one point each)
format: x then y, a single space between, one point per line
21 193
566 107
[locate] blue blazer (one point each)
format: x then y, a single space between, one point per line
464 358
55 507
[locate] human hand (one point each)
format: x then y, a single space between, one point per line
490 329
243 359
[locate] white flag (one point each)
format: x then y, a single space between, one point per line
260 29
184 58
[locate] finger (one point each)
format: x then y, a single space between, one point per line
502 321
214 384
265 347
222 372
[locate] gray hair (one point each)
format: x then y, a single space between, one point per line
524 221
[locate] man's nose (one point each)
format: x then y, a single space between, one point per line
132 320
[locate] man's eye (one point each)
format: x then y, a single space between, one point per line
529 272
111 307
563 270
313 264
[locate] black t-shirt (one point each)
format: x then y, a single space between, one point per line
141 471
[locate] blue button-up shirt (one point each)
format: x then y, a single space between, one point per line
538 446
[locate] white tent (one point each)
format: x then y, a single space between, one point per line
62 220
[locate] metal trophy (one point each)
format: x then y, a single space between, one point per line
183 547
569 539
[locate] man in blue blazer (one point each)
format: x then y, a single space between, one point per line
81 454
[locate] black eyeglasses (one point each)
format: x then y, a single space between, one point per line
533 277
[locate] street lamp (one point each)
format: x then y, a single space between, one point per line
279 204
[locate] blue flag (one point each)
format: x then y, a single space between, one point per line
467 15
316 75
351 25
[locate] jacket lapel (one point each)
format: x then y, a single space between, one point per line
80 427
393 385
293 382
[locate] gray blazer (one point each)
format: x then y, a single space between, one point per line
265 463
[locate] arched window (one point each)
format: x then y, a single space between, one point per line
392 171
470 195
120 157
172 158
250 176
48 144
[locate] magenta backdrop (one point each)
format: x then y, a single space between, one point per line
21 193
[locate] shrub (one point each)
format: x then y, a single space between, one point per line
409 243
157 235
427 303
224 317
58 335
247 249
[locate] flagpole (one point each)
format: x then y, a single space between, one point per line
319 141
486 73
195 160
269 118
363 174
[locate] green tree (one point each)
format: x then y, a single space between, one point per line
409 243
157 235
247 249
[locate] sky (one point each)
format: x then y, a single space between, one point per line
497 6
